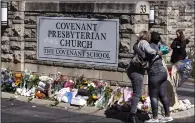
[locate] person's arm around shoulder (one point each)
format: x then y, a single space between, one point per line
139 51
146 47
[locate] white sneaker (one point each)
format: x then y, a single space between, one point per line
152 121
166 119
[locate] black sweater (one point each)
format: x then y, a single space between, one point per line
179 50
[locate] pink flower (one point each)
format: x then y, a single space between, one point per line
96 83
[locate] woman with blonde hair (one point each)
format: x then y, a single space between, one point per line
136 72
179 47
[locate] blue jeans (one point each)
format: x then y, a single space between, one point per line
136 75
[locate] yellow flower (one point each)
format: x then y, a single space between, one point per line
86 82
94 97
17 82
18 75
123 102
81 87
143 98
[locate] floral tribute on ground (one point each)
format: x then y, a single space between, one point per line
78 91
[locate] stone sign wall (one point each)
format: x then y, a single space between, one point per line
19 41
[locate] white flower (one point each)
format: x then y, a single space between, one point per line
13 84
91 84
45 78
3 69
71 81
18 91
31 76
139 106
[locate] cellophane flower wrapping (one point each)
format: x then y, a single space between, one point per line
145 104
128 95
25 84
47 88
7 81
184 68
103 100
58 82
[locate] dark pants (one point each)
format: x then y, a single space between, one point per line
157 83
136 75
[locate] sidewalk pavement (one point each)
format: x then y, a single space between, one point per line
85 109
191 80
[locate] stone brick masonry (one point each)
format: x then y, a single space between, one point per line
170 16
19 37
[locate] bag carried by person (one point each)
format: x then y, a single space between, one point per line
164 49
138 61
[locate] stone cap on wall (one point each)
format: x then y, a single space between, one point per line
98 6
80 7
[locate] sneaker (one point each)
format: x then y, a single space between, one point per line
166 119
152 121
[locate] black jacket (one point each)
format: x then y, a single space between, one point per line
179 50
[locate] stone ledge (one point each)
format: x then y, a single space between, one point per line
30 26
42 6
31 14
93 7
18 21
73 65
30 39
123 55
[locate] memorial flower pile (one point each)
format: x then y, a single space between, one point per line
78 91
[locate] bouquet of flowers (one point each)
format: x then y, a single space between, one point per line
93 96
45 84
25 84
7 81
102 102
32 85
146 107
18 79
79 81
17 83
58 83
96 89
69 84
184 68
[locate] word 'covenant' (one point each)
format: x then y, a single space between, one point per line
76 26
